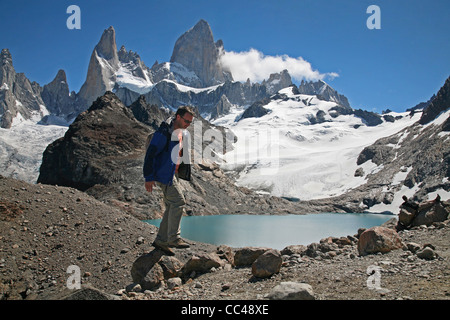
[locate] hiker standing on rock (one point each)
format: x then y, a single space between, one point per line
164 165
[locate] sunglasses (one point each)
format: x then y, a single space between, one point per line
187 121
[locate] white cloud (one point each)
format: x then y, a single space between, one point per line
256 66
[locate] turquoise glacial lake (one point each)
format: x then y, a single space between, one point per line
273 231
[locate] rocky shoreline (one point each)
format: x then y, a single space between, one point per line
45 229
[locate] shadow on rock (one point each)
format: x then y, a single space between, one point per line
146 271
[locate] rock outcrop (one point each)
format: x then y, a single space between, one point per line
99 141
277 81
323 92
20 99
439 104
59 101
413 214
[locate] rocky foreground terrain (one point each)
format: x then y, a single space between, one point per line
46 229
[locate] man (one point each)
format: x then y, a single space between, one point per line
164 165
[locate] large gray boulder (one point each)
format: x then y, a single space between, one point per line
292 291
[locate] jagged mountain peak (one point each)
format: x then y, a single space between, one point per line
324 91
60 76
107 47
439 104
56 96
197 51
201 28
20 98
103 65
5 56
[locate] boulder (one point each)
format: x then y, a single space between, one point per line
267 264
413 247
202 262
406 216
414 214
171 266
292 291
430 212
86 292
147 272
245 257
378 239
427 253
293 249
313 250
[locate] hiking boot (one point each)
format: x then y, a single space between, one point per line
179 243
163 246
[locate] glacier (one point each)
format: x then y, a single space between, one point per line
22 146
283 154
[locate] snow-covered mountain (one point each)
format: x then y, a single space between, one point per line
21 148
300 142
19 97
193 76
302 147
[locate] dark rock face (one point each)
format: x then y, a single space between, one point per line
323 91
100 140
439 104
221 108
57 97
151 115
18 95
256 110
277 81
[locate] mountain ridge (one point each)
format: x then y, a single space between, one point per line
167 86
194 66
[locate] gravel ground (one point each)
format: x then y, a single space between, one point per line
45 229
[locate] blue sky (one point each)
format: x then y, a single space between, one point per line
403 63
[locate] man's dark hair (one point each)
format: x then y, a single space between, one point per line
183 110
